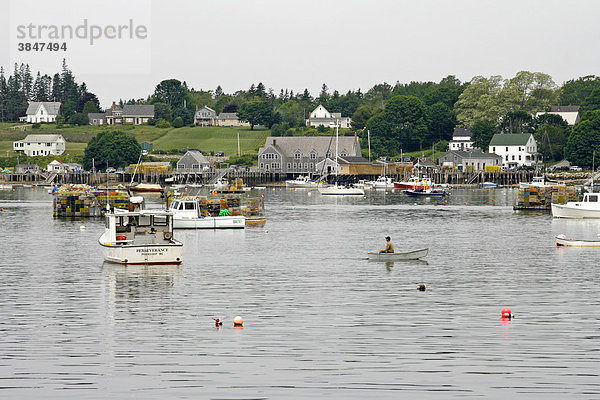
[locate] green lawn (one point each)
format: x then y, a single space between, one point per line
205 138
214 139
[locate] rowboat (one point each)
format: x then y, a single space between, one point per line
402 256
561 240
147 187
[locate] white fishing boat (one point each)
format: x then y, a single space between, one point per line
562 240
221 183
414 182
146 187
401 256
589 207
537 181
187 214
338 190
382 182
301 182
140 237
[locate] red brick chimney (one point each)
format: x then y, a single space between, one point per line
114 105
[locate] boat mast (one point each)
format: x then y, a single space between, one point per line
337 125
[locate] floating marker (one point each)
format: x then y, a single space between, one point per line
238 321
507 313
422 287
218 322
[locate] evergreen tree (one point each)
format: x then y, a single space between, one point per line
56 88
27 82
219 91
68 87
3 92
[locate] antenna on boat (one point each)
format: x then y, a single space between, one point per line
107 197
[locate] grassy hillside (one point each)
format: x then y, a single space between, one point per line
209 139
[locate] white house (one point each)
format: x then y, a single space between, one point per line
461 140
205 116
61 167
320 116
568 113
42 111
41 145
516 149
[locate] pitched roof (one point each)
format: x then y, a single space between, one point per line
42 138
510 139
289 144
353 160
196 155
461 132
138 110
52 107
96 115
228 116
472 154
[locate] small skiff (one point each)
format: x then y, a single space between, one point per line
561 240
405 255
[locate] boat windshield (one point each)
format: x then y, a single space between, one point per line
592 198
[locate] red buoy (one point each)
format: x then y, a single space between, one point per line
506 313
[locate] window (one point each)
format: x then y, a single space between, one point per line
195 166
305 165
507 148
313 155
144 220
494 149
295 165
181 166
275 165
297 155
328 154
519 157
262 166
190 205
289 165
160 220
593 199
513 157
312 166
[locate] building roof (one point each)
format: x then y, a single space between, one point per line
142 110
461 133
353 160
52 107
96 115
560 108
321 144
196 155
42 138
472 154
27 166
228 116
510 139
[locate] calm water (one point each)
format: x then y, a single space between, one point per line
320 320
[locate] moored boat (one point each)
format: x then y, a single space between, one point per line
301 182
401 256
562 240
426 193
413 183
382 182
189 213
589 207
147 187
140 237
341 191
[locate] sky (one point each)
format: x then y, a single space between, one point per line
297 44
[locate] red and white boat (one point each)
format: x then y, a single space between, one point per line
414 183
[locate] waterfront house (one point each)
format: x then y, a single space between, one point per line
516 149
27 169
40 145
192 161
132 114
474 160
353 165
461 140
320 116
569 113
230 119
300 154
205 116
42 111
61 167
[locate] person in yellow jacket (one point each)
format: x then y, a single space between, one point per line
389 247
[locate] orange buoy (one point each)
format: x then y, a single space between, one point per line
238 321
506 313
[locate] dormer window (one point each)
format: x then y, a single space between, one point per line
297 155
313 155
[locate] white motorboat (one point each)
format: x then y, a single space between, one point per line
382 182
401 256
562 240
414 183
341 191
140 237
221 183
537 181
589 207
301 182
188 214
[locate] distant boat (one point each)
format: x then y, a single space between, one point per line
401 256
426 193
589 207
561 240
147 187
187 214
414 183
301 182
538 181
382 182
489 185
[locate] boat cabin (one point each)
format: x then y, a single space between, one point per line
590 197
138 228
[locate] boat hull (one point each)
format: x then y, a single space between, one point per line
561 240
171 253
341 191
413 193
226 222
574 210
403 256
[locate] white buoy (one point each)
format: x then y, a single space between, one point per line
266 231
82 228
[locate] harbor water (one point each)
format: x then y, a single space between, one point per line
320 320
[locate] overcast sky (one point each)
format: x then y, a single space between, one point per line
296 44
